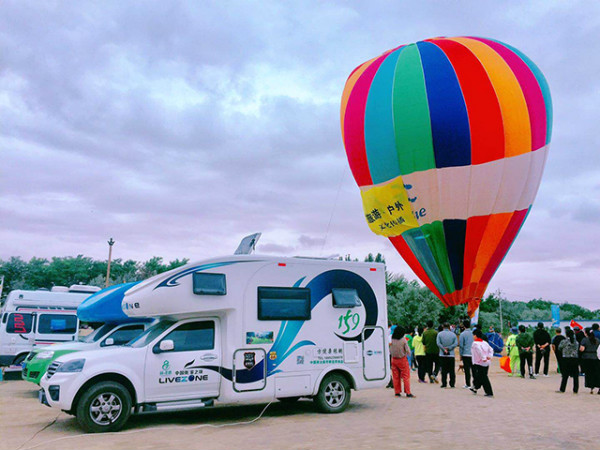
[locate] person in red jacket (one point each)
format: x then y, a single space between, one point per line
399 351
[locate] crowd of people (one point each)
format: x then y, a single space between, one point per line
431 351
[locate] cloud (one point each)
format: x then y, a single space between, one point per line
178 128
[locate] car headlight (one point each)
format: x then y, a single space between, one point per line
71 366
44 355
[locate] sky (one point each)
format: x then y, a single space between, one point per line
177 128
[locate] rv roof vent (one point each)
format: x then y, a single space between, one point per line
248 244
59 289
83 289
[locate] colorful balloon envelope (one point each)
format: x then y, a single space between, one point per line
447 140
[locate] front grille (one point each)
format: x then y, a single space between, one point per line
52 369
34 374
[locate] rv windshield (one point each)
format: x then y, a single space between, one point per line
150 334
97 334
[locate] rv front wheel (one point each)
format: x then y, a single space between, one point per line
105 406
333 395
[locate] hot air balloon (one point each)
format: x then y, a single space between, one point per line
447 140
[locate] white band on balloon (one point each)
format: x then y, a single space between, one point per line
501 186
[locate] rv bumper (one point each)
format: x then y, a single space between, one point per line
42 397
60 389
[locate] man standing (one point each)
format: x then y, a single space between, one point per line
431 350
525 345
556 340
596 330
542 348
579 335
512 350
465 342
446 341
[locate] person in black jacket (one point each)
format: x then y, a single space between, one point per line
556 340
541 338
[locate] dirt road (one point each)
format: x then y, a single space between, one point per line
523 414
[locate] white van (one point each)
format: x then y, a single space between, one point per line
31 318
237 329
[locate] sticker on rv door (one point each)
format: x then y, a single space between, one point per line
249 360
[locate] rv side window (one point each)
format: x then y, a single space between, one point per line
19 323
57 324
192 336
345 298
281 303
209 284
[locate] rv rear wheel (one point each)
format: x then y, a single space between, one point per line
105 406
333 395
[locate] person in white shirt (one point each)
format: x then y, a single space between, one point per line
482 355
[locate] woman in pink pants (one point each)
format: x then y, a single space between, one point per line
400 369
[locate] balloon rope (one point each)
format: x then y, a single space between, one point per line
337 195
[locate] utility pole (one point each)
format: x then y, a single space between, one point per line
500 303
111 242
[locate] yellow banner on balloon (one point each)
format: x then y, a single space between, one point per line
387 208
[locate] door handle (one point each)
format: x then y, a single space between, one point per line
209 357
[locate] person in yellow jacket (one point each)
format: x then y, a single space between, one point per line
512 351
420 354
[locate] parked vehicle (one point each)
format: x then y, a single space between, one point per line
33 318
112 332
237 329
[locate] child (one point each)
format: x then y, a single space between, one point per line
482 355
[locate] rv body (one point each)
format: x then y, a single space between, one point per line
32 318
238 329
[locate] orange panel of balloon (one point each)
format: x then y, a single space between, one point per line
447 140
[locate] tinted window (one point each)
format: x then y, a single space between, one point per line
345 298
97 334
193 336
125 334
19 323
209 284
151 333
278 303
57 324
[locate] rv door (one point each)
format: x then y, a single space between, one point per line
185 363
374 355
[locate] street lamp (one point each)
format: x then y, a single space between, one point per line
111 242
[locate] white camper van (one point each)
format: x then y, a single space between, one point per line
31 318
237 329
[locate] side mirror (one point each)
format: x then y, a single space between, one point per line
166 345
109 341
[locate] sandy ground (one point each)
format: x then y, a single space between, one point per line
524 414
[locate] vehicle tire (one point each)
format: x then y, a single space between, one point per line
19 359
105 406
334 394
289 399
